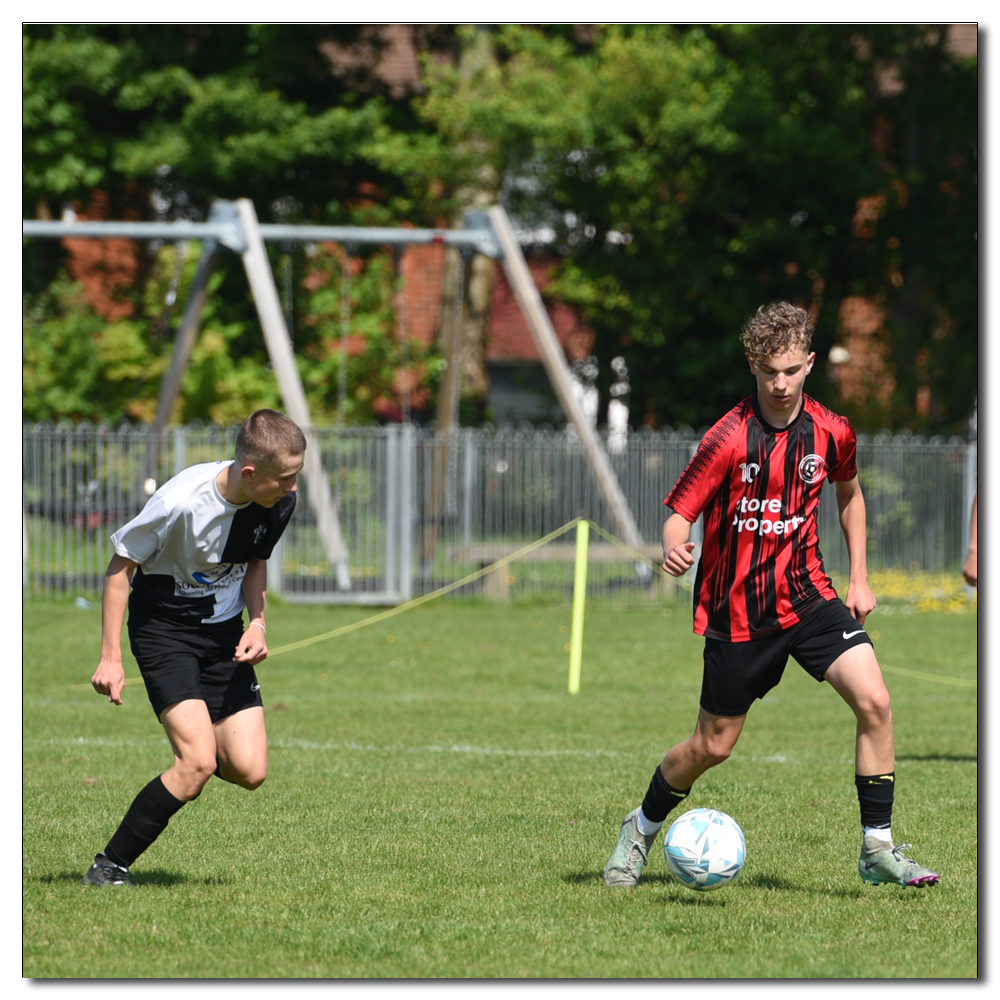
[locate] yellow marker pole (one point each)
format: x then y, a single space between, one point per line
579 596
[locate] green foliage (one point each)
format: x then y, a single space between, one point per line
76 366
690 174
438 807
234 111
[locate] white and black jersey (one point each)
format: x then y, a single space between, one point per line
192 547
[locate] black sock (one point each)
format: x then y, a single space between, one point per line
875 798
661 798
145 820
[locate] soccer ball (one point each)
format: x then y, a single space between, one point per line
704 849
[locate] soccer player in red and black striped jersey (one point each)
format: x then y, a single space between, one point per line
762 594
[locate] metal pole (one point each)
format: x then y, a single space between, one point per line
392 507
223 230
554 360
187 334
406 474
272 322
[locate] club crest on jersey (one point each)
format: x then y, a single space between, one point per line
812 468
749 470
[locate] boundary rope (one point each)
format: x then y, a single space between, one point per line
506 560
424 598
937 678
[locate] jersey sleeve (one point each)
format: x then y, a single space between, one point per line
706 471
845 467
144 534
282 514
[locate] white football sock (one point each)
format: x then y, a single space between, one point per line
881 834
646 826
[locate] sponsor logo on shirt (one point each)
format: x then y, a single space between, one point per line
209 581
764 518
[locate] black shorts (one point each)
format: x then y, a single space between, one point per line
736 673
180 662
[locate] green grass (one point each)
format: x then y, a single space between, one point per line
438 806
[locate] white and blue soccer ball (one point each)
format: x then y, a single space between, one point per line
705 849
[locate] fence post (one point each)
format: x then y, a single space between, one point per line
24 541
275 577
180 449
405 508
392 509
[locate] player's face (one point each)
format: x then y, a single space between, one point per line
780 380
267 484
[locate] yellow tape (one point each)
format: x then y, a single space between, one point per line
472 577
902 671
937 678
683 581
400 608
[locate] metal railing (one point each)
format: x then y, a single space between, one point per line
420 510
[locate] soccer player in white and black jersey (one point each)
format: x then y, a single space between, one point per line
195 557
761 592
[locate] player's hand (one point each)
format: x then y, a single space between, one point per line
252 647
970 570
679 559
860 601
109 679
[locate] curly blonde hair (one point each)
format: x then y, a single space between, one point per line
775 329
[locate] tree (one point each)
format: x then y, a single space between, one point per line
158 121
687 175
691 174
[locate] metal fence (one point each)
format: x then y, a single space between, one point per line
419 510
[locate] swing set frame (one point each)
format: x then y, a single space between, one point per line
233 226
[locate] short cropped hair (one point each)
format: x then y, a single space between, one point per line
775 329
268 436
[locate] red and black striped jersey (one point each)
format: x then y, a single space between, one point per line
758 487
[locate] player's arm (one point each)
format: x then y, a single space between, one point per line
970 568
677 558
109 678
252 647
860 601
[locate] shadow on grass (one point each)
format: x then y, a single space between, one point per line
774 883
154 877
958 758
597 877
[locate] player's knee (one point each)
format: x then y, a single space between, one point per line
202 770
191 776
880 706
717 753
874 708
251 782
252 778
711 752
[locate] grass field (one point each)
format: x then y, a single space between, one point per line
438 806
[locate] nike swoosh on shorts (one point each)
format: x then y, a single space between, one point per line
848 635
